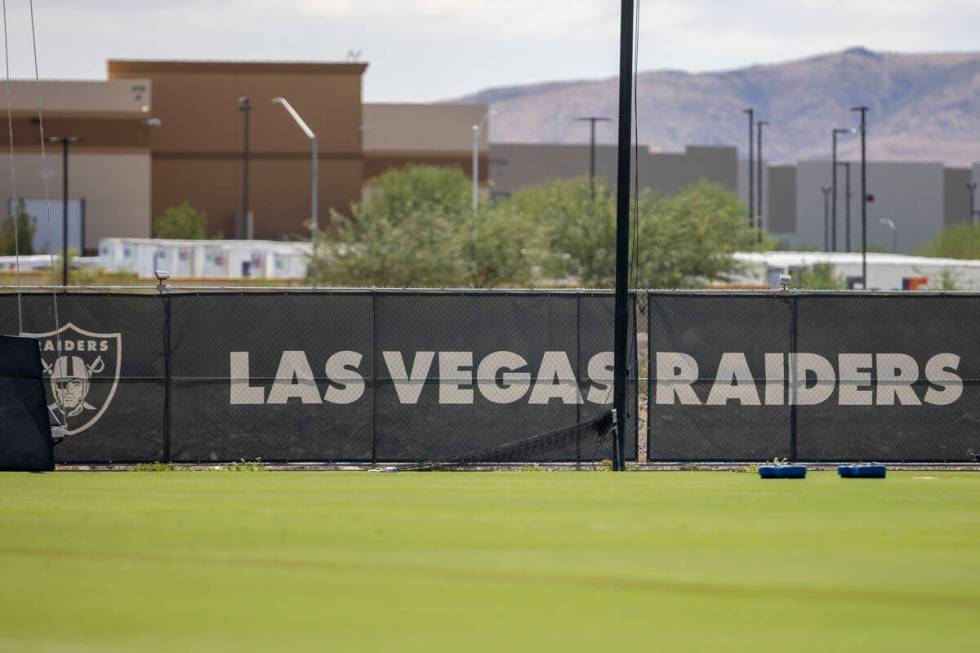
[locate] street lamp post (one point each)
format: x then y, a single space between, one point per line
863 110
833 184
475 166
65 142
971 186
592 120
826 217
314 167
759 125
245 106
847 205
891 225
751 114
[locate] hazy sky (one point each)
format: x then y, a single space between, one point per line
422 50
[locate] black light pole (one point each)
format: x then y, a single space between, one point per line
245 106
826 217
65 142
621 322
751 114
833 186
592 120
847 205
971 186
759 125
863 110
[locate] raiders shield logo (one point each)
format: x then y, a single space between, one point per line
83 371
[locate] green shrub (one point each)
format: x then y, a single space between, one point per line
155 467
247 466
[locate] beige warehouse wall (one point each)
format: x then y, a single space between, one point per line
423 127
115 187
127 96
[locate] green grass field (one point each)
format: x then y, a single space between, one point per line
532 561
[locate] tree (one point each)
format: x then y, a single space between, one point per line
819 276
416 228
507 248
402 191
956 241
181 222
688 239
17 232
681 240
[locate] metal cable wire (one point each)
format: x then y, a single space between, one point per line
12 215
44 186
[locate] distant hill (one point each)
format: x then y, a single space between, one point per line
924 107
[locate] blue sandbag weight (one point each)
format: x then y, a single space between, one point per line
782 471
861 471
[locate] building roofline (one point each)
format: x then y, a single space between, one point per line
149 66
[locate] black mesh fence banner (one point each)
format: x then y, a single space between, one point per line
272 376
457 373
358 376
889 378
717 384
813 377
104 371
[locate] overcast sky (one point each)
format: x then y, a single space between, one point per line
421 50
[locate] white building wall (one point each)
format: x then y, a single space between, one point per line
189 259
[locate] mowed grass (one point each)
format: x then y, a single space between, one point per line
533 561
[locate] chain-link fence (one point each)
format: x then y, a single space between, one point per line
325 375
410 376
813 376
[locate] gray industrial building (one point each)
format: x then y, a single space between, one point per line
918 198
515 165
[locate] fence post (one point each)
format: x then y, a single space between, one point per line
374 377
634 406
578 376
793 380
649 383
164 294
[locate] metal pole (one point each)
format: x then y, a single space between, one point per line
167 371
751 114
475 167
64 212
971 186
314 184
245 106
847 205
833 186
592 120
864 194
759 125
314 226
621 326
592 159
891 225
826 217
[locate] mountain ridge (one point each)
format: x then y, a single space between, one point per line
924 107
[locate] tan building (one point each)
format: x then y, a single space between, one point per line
158 133
197 151
396 135
109 166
